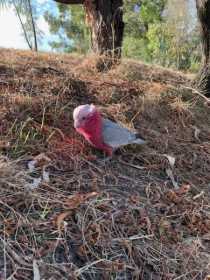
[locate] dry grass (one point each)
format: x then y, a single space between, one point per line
144 215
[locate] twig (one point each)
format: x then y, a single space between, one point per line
81 270
92 165
15 256
133 165
197 92
132 238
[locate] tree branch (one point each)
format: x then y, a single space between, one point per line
70 1
22 25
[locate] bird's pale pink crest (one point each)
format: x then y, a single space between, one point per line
88 122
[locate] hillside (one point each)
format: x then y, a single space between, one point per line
64 213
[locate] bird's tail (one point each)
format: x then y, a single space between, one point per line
139 141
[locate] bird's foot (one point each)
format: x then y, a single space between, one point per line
103 161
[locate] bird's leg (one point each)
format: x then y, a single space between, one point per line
103 161
107 158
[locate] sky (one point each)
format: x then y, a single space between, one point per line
11 36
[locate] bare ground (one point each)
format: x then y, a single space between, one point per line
143 215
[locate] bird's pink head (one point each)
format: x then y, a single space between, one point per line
88 122
87 119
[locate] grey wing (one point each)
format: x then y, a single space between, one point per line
116 135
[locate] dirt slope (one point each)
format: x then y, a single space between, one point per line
144 215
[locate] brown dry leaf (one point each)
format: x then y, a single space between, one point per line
164 226
183 189
145 220
39 161
4 144
75 200
135 199
81 251
205 226
60 219
46 249
94 233
10 226
118 266
173 197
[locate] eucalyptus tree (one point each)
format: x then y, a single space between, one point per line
25 13
203 9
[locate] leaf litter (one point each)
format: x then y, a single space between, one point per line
129 218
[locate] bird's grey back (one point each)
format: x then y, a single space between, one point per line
116 135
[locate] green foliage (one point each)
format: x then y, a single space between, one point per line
135 48
138 15
151 11
170 50
160 32
69 25
156 31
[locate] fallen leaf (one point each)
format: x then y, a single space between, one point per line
197 131
183 189
75 200
4 144
171 176
36 271
10 226
38 161
48 247
173 197
60 219
46 176
164 226
31 165
171 160
35 184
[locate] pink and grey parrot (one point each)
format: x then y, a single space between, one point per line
102 133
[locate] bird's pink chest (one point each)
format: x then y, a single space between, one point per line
92 132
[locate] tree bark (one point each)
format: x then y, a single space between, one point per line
203 80
105 18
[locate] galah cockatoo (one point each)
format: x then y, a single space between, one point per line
102 133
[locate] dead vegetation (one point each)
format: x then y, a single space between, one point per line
66 215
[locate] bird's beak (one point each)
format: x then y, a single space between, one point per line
76 124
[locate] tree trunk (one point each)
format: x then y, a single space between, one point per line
203 10
105 18
22 25
33 26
